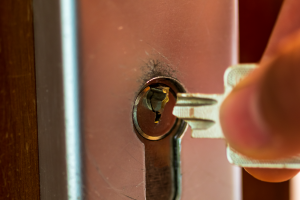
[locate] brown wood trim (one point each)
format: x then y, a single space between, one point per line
19 178
257 19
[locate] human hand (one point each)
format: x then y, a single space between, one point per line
261 117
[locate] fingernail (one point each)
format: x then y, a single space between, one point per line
241 121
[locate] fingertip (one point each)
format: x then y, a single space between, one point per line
272 175
241 123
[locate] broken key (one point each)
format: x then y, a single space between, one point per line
201 112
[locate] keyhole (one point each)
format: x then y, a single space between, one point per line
157 117
161 133
156 99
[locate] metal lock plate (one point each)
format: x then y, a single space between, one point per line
194 40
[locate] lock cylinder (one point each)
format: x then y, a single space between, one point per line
152 111
161 132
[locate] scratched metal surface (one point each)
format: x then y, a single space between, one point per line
192 40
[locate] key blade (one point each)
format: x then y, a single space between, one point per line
201 112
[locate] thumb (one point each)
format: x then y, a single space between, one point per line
261 116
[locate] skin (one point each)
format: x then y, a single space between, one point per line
266 103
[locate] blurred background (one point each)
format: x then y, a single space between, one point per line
257 19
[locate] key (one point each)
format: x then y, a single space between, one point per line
201 112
